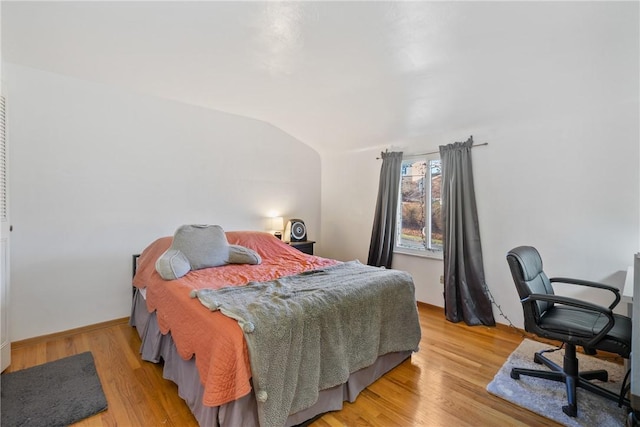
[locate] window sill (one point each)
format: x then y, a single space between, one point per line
439 255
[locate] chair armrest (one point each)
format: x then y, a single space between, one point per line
559 299
590 284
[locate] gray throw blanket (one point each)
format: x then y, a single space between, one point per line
310 331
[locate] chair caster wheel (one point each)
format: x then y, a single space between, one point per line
570 410
515 375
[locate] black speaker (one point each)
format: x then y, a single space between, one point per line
295 231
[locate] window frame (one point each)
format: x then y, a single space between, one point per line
426 252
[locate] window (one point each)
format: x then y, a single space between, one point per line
420 226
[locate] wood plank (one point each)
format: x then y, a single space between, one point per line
442 384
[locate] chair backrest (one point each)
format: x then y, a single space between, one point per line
526 268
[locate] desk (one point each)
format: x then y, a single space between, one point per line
627 291
631 288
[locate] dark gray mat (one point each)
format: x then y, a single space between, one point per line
56 393
547 397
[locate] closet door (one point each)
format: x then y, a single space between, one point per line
5 343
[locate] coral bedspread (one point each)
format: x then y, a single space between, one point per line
217 341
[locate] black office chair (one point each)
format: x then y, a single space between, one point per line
574 322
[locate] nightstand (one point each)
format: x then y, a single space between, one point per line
306 247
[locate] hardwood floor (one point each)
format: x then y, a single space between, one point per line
441 385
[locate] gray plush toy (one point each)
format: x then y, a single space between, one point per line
201 246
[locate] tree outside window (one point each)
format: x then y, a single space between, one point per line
420 227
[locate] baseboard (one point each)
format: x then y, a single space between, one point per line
501 326
68 333
611 357
5 355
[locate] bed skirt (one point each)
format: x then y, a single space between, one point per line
157 347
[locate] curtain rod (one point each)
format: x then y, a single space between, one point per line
436 152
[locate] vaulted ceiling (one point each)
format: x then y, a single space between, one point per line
336 75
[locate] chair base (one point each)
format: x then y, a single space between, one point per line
569 374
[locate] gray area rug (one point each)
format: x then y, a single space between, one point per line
56 393
547 397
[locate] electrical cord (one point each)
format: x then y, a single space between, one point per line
511 325
493 302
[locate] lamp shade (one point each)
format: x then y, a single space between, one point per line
276 223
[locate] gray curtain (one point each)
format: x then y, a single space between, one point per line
465 296
384 222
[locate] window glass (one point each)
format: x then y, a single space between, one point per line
420 227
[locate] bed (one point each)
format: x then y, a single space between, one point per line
223 374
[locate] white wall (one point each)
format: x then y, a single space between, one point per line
99 173
555 94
